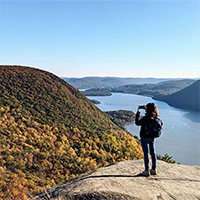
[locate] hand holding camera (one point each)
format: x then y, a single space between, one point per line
142 107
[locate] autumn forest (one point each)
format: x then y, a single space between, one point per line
50 132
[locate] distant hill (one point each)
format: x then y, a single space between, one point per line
152 90
97 92
99 82
187 98
163 88
50 132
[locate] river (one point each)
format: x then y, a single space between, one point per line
181 131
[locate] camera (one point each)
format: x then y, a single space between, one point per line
142 107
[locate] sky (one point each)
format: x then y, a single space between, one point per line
158 39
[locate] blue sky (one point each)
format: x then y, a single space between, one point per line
103 38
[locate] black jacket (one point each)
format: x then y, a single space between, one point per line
144 122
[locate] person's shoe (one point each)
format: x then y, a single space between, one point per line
153 172
145 173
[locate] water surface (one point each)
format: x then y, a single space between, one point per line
181 131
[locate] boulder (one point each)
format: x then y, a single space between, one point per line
122 180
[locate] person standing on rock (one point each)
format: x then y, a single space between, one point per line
147 141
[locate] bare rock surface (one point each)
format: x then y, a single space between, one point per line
123 181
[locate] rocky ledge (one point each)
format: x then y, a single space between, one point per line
123 181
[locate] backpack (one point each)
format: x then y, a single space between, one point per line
155 128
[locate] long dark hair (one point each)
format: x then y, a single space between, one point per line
152 110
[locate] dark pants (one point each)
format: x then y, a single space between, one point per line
149 144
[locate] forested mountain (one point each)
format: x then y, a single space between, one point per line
99 82
187 98
50 132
